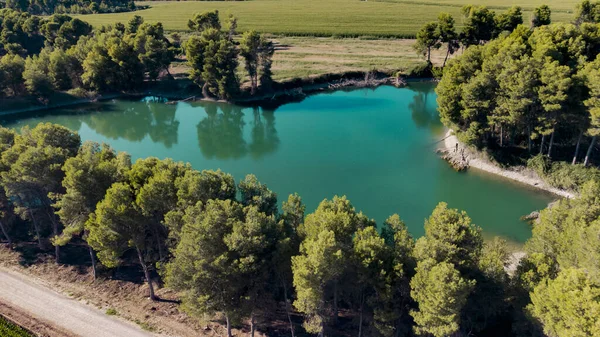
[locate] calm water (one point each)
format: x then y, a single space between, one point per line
375 146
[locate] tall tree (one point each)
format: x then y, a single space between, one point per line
290 220
7 140
447 34
253 192
450 237
480 25
116 227
440 292
509 20
35 174
87 178
221 263
541 16
592 78
390 309
428 37
324 260
567 305
256 51
205 20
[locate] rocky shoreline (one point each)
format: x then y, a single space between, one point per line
461 158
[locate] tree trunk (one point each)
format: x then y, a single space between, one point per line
529 139
501 135
5 233
542 144
228 326
146 274
428 54
93 259
205 90
252 327
577 148
589 151
360 321
287 306
322 332
447 54
36 227
254 81
161 254
335 302
550 146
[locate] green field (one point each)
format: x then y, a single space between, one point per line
8 329
397 18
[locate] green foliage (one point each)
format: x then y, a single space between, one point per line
11 74
587 11
36 76
450 237
480 25
257 52
206 20
563 175
111 312
8 329
441 293
528 89
509 20
71 6
213 59
34 175
541 16
563 237
325 255
428 38
227 243
256 194
567 305
87 178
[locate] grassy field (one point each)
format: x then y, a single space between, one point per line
300 57
393 18
303 57
8 329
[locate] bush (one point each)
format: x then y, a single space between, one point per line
561 174
422 69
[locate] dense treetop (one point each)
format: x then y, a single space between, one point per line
70 6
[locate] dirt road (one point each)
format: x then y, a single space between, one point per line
67 314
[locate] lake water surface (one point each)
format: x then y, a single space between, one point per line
376 146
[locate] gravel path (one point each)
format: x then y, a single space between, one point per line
474 161
68 314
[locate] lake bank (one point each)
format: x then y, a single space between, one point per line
478 161
179 90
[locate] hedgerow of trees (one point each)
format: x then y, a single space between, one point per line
230 249
59 53
38 7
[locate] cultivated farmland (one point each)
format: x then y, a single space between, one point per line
347 18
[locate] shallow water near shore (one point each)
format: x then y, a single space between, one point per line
377 146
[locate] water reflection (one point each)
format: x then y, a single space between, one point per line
134 122
221 133
424 108
264 135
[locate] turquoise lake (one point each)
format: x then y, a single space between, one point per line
376 146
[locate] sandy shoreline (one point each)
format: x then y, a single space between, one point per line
478 162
